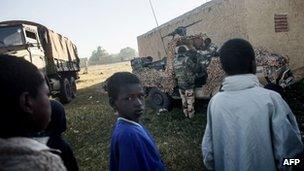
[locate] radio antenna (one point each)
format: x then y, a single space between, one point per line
161 37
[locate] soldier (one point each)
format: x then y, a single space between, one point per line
205 51
184 73
209 47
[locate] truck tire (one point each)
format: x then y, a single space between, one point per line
158 99
65 91
73 87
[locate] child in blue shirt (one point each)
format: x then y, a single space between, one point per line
132 146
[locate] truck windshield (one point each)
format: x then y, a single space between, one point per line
10 36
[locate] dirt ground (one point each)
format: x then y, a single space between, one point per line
99 73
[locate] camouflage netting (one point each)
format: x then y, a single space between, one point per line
271 64
163 79
215 77
155 78
269 61
265 58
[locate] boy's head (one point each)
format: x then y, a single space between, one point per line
237 57
25 106
126 95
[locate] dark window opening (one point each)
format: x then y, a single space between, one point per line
30 35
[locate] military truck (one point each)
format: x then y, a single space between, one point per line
161 86
55 55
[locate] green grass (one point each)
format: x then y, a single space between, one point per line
90 124
91 120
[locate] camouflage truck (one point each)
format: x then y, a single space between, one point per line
161 86
55 55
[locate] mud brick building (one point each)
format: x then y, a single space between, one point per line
277 25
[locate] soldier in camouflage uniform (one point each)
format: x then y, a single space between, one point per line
205 52
183 67
209 48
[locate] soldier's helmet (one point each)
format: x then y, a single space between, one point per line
207 41
181 49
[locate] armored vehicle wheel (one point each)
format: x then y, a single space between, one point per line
73 87
65 91
158 99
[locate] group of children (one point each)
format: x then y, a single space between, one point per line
248 127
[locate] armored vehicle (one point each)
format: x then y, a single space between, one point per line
160 84
55 55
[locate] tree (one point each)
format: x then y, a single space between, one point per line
98 56
112 58
101 56
127 54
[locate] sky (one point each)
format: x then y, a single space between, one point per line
112 24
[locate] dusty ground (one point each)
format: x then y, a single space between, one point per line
90 124
99 73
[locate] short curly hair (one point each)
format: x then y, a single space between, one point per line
237 57
118 80
17 76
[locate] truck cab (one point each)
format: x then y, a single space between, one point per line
23 41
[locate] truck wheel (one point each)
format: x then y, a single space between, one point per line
158 99
73 87
65 91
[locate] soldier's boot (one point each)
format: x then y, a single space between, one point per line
185 111
191 113
190 102
161 110
184 102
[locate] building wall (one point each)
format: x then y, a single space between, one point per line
221 20
261 27
249 19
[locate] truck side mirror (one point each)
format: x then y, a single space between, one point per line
30 44
33 45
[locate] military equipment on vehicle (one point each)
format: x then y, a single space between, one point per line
55 55
161 86
181 31
143 62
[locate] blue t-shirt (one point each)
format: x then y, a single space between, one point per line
133 148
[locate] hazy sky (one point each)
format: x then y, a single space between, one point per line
112 24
